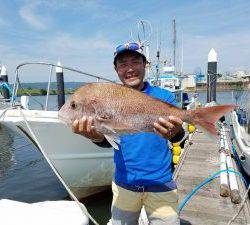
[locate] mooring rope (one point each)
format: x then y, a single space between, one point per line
4 111
241 206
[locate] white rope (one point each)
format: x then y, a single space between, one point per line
241 206
4 111
82 207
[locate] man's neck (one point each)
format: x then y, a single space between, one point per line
140 86
143 87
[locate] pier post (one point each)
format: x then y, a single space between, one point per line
4 78
211 76
60 86
224 183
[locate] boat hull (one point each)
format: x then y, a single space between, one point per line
243 143
85 167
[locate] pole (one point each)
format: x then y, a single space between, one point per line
4 78
60 86
211 76
174 45
158 56
181 72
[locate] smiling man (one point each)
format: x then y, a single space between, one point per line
143 163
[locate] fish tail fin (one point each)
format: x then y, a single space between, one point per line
207 116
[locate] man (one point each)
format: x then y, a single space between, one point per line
143 163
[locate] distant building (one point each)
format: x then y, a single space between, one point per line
239 74
200 78
189 82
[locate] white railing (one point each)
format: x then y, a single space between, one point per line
17 82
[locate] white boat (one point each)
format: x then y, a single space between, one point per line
86 168
164 74
241 129
41 213
167 80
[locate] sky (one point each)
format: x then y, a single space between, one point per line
83 34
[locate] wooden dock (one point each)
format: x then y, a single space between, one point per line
206 207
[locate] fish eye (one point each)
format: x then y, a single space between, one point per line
73 104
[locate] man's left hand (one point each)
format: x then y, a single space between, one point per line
168 128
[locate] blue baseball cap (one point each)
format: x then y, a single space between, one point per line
129 47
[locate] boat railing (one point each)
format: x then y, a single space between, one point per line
18 84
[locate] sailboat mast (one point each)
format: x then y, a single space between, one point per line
158 53
174 45
181 72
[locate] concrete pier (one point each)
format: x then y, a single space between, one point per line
201 160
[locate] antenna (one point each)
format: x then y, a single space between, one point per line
143 32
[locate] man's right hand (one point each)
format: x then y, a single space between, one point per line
85 127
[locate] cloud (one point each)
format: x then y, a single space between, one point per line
85 31
29 14
92 9
68 45
4 22
93 55
232 49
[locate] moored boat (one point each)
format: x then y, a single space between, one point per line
241 129
86 168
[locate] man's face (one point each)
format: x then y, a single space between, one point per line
130 68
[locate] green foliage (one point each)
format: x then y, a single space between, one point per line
43 92
53 92
36 92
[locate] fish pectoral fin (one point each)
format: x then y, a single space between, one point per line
104 117
109 129
115 142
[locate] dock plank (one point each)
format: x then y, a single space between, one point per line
207 206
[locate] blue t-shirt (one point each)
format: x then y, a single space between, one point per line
144 159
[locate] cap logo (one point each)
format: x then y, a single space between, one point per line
127 45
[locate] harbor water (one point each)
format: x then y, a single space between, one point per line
26 176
